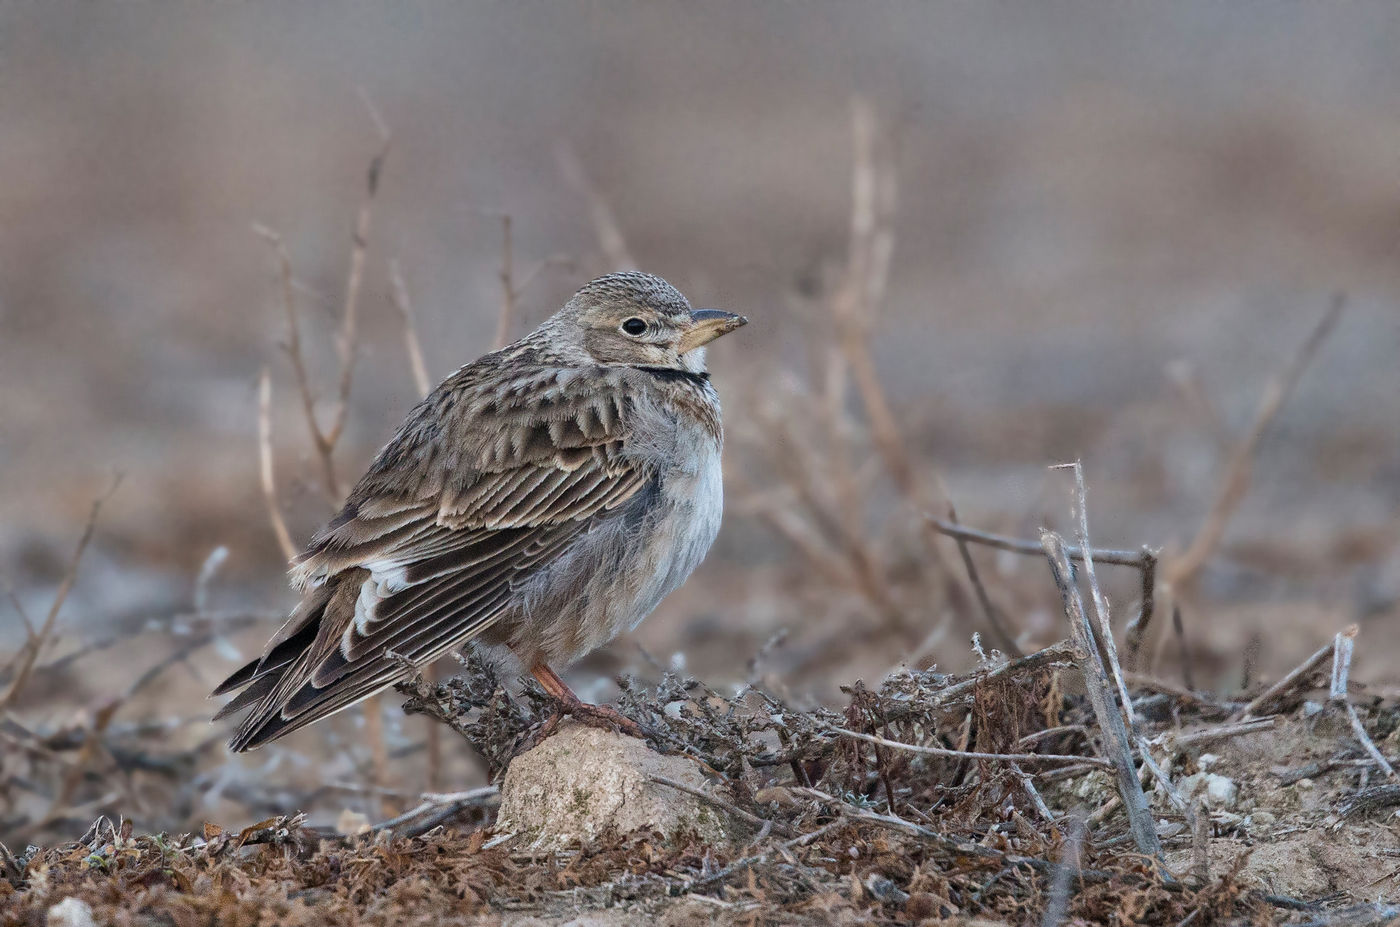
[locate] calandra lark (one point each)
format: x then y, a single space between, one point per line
545 497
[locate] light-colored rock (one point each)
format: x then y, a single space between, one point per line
71 912
1218 792
583 782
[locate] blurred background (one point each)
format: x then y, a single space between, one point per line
974 240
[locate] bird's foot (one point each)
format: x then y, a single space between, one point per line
599 716
603 717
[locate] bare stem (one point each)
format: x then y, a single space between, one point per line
1235 482
269 482
412 345
1100 690
23 664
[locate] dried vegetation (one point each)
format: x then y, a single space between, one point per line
1051 784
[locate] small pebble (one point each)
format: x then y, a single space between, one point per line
71 912
1221 792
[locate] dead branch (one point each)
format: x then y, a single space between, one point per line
995 621
1342 646
1173 740
436 808
782 830
1235 482
413 347
269 482
1051 758
1081 510
1149 763
347 338
1060 652
1028 786
325 439
1100 689
1136 631
1372 750
1296 678
23 664
1066 868
609 233
956 530
862 289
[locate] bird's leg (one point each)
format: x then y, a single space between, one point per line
570 704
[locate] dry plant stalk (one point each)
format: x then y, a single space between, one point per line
1081 510
1296 678
1234 484
1144 560
1342 646
22 665
325 439
993 615
1101 696
413 347
265 468
600 212
1048 758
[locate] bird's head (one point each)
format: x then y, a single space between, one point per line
637 320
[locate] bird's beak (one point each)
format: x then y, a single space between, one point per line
708 324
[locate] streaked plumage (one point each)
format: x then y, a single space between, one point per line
546 497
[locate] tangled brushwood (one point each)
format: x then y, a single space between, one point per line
930 796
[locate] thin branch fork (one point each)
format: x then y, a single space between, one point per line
1143 559
748 817
325 439
23 663
957 530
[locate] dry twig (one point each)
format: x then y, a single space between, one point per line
994 617
1101 689
1296 678
412 345
1235 482
1081 509
1175 740
265 472
325 439
610 239
1342 646
1051 758
728 807
23 664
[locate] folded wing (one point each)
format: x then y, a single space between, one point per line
488 480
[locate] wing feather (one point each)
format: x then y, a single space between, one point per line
490 478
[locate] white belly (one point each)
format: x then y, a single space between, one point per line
620 571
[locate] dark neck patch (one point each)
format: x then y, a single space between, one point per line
672 375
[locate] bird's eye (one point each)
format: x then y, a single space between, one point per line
634 326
